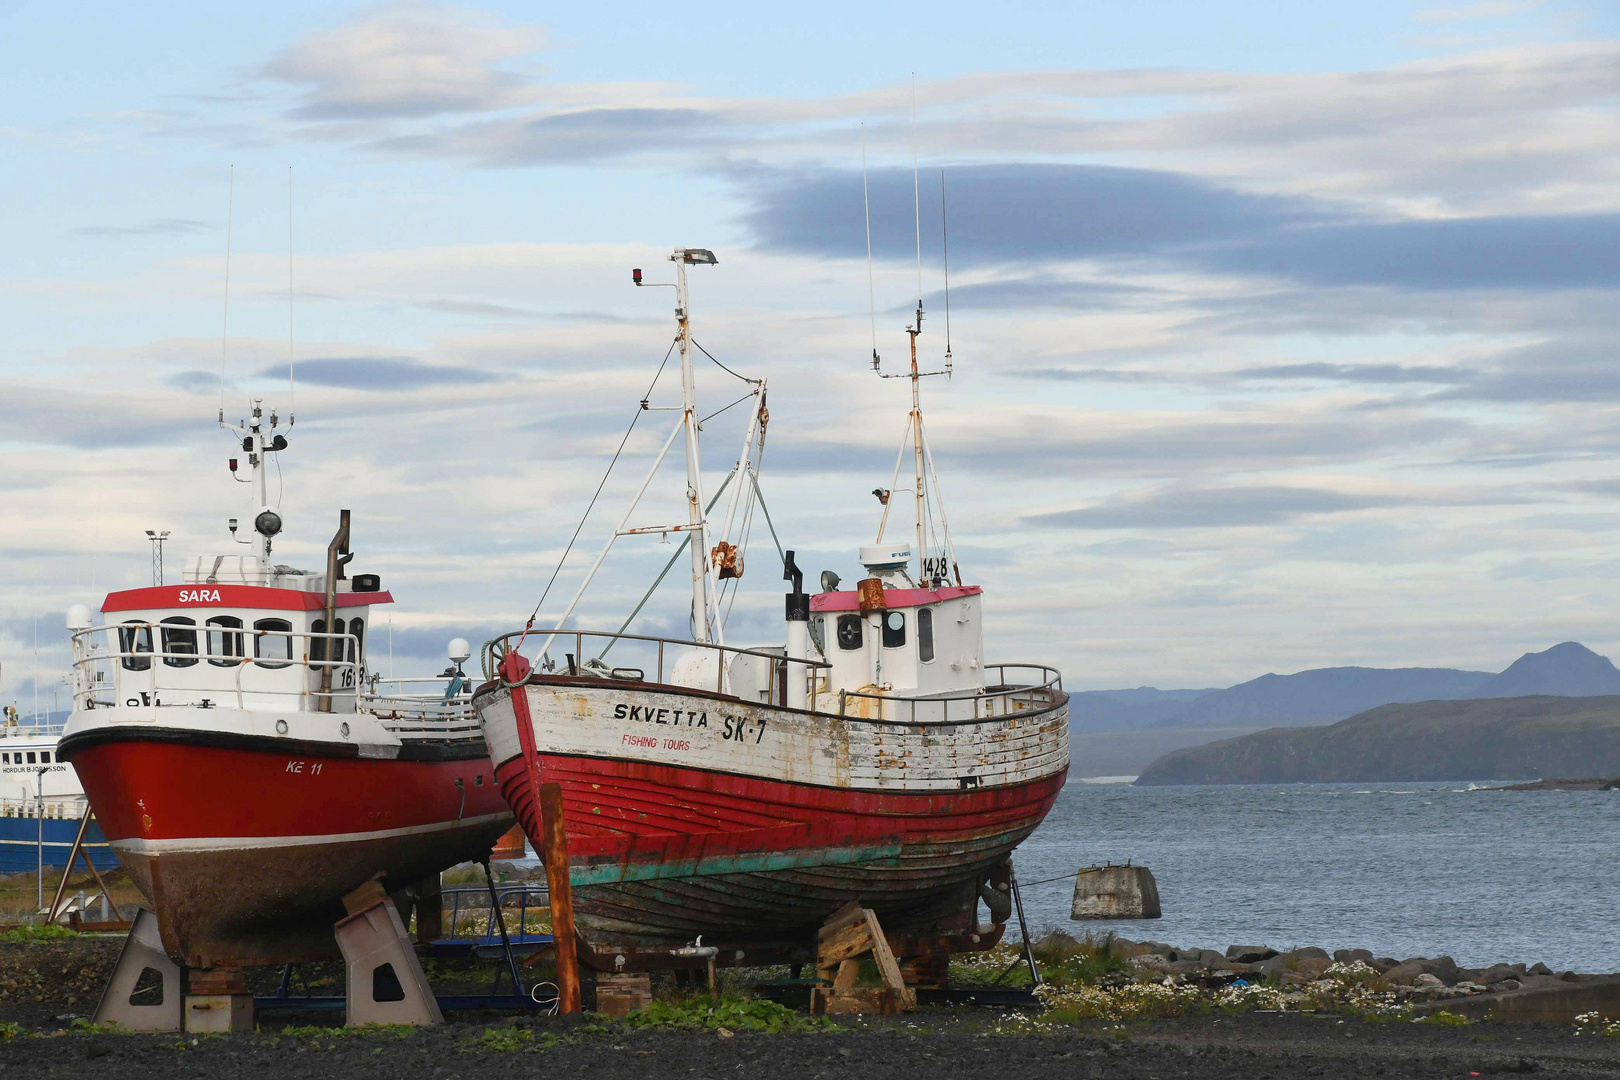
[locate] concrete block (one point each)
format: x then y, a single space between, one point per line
1115 892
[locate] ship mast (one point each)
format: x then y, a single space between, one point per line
695 516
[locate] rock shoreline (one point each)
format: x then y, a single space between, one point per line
1417 977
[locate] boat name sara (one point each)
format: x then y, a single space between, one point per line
199 596
739 728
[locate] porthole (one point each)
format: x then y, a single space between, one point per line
281 727
344 728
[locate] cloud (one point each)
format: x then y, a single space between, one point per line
1019 214
1241 505
381 373
1486 9
150 227
1548 371
1213 508
477 307
571 137
195 382
1358 373
407 60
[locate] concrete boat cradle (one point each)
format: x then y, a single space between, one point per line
745 795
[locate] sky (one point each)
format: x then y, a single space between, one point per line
1282 333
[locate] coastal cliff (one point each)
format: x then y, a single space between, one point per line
1521 738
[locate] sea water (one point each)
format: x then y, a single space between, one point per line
1400 869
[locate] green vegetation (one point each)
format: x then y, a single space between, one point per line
1065 960
1444 1019
37 933
732 1012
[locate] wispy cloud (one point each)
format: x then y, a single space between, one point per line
385 374
150 227
1486 9
408 60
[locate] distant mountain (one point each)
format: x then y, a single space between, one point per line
1125 710
1322 695
1518 738
1567 670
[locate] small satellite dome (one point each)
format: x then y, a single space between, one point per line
268 523
885 556
78 617
459 652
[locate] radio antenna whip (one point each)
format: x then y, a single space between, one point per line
916 191
871 290
225 319
945 237
292 393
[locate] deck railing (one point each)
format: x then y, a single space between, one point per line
410 714
131 668
659 650
1021 687
1001 699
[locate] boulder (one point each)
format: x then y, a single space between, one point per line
1128 949
1382 964
1350 956
1115 892
1312 966
1497 972
1425 981
1293 978
1405 974
1211 958
1249 954
1505 985
1444 967
1539 969
1310 952
1275 964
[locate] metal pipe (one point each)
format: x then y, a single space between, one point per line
338 546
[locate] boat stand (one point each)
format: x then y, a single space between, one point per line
384 982
851 933
144 991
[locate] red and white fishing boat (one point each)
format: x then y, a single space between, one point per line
247 763
745 794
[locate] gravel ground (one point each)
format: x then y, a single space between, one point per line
53 986
941 1046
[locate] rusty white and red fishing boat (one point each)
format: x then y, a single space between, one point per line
745 794
246 762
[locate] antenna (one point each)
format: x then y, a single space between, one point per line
916 191
945 237
225 320
292 394
871 290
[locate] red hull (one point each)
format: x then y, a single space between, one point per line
246 850
661 854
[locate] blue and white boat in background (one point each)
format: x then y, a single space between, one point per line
41 800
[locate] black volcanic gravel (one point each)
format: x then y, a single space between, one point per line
929 1046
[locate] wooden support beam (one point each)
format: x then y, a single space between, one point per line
554 851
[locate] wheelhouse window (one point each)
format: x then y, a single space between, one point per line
135 638
225 641
30 757
849 632
272 644
317 644
894 630
340 647
925 634
45 757
357 628
179 641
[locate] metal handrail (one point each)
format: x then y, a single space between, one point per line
496 649
88 656
983 699
502 892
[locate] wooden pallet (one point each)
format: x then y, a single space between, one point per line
850 934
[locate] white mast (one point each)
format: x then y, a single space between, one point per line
694 477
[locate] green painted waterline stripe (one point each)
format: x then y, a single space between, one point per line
708 866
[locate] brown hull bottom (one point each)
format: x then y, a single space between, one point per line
926 898
233 908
